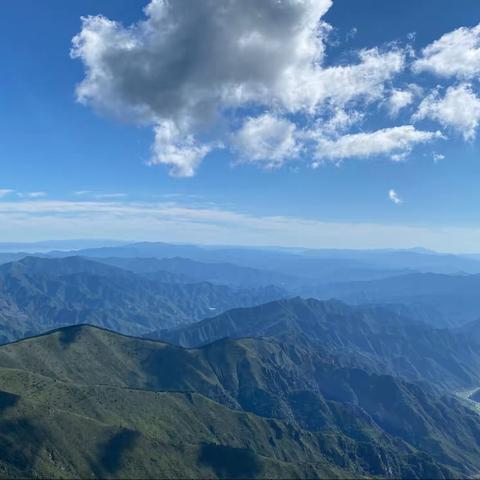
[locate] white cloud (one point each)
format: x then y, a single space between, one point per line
5 191
394 197
455 54
459 109
268 140
189 67
388 141
438 157
339 85
177 149
186 57
339 121
400 157
398 100
34 194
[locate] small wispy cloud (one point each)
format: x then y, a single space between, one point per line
110 195
35 194
99 195
394 197
438 157
5 191
9 191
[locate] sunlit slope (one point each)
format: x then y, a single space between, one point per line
83 401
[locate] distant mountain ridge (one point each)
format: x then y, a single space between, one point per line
187 270
287 259
448 300
41 247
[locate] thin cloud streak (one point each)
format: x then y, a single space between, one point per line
168 221
5 191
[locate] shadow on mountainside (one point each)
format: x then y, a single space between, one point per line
229 462
112 453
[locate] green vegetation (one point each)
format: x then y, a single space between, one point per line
83 402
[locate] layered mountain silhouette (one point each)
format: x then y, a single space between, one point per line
402 279
39 294
82 402
448 300
309 263
186 270
378 336
440 289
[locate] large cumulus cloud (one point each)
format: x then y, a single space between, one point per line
206 74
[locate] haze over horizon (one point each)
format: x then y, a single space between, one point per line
73 244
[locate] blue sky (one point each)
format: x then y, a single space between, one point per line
120 161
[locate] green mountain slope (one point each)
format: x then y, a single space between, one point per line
82 402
